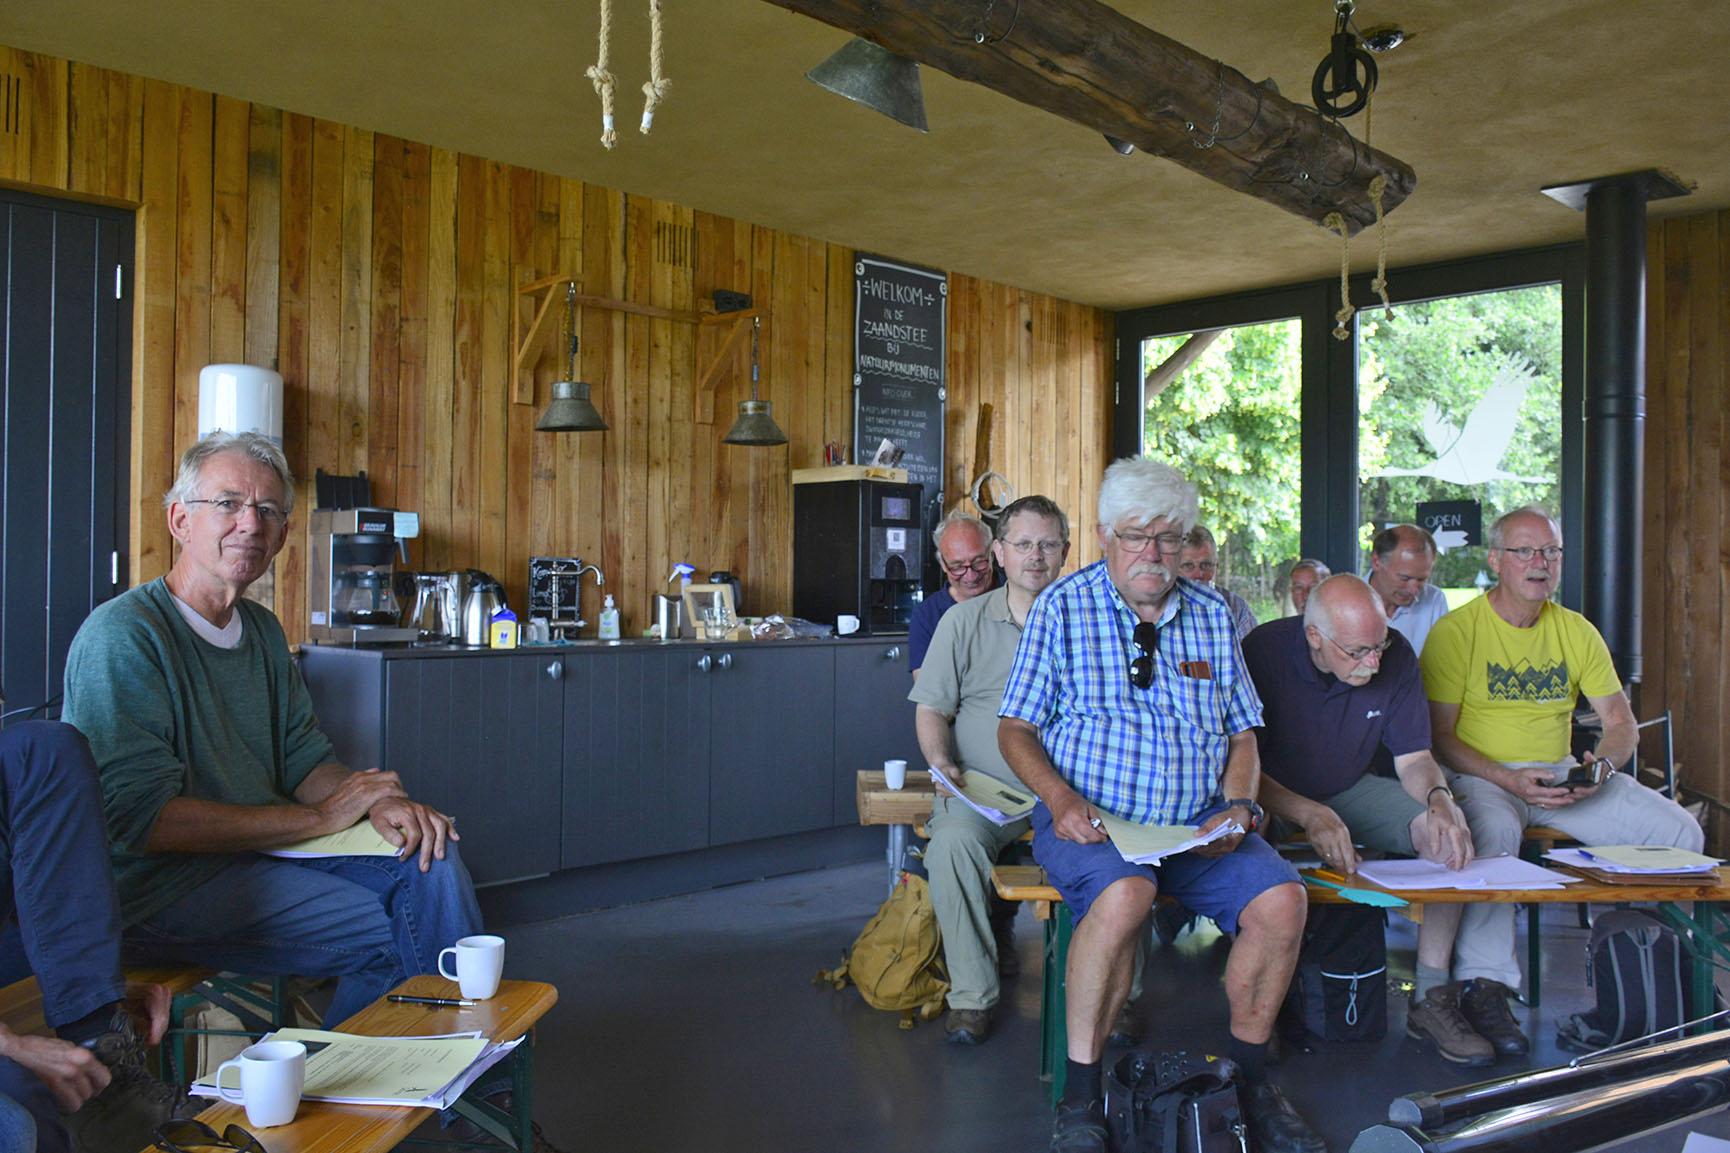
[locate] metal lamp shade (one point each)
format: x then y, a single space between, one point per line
875 77
570 410
755 427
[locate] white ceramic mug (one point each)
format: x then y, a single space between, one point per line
480 961
846 625
272 1074
895 773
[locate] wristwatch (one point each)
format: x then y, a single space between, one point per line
1254 810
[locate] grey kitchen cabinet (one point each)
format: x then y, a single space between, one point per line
873 717
771 741
482 739
636 763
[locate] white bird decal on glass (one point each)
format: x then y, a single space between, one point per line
1473 454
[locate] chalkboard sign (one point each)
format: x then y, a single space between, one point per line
900 338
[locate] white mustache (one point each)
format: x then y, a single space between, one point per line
1150 569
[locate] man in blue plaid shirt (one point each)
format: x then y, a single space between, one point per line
1129 696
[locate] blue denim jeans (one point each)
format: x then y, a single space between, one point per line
370 921
17 1126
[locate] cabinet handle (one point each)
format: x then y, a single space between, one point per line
894 653
725 660
703 663
556 669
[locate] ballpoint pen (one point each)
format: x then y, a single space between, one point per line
445 1001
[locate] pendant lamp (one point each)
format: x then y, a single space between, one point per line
570 410
871 75
755 426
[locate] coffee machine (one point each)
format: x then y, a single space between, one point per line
858 550
352 575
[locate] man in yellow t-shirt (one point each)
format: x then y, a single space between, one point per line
1502 674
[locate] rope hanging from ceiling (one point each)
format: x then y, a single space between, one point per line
603 79
655 88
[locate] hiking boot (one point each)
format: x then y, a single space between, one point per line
122 1117
1008 960
1126 1028
1438 1020
1169 920
1079 1128
1275 1125
1485 1003
968 1026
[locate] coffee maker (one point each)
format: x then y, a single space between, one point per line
858 550
352 575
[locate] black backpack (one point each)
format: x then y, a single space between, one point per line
1340 989
1174 1102
1643 978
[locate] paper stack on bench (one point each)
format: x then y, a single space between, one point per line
1638 864
358 1070
1501 872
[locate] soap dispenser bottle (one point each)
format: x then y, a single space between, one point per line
609 629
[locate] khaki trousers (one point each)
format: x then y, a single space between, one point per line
958 860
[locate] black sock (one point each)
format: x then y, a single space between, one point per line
1081 1084
90 1026
1252 1059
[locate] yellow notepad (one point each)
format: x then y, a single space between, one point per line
358 840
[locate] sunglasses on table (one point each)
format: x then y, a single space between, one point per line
1141 668
184 1135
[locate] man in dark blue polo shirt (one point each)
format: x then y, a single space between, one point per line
1339 691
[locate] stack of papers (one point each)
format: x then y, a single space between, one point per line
1502 872
1633 863
357 1070
1150 844
358 840
986 795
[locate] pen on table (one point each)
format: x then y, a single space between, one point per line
445 1001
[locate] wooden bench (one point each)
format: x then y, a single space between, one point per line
323 1127
21 1001
1705 931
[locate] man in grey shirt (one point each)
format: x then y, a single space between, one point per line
958 692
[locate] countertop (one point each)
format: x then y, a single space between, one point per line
589 645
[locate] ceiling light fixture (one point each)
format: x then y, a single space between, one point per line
871 75
756 426
571 410
1384 39
1121 147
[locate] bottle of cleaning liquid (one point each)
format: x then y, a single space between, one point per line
609 630
502 630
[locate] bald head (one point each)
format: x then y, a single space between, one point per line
1343 599
1346 628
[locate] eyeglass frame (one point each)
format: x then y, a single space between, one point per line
1360 657
1025 547
1526 554
268 513
1168 542
230 1138
1145 638
979 564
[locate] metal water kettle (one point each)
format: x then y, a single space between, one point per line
485 597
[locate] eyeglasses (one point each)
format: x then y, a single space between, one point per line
1360 655
176 1134
978 564
1133 541
1141 668
1199 566
1551 553
230 509
1024 547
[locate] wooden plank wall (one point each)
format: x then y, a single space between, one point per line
377 275
1686 606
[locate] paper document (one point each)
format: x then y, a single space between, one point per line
1150 844
352 1069
1502 872
1648 859
991 798
358 840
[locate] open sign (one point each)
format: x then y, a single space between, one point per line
1461 520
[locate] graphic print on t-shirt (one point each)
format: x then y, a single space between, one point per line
1528 682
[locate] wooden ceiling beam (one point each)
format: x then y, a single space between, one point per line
1086 62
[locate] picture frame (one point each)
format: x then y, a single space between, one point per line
717 600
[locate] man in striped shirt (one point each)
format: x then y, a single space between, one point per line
1129 696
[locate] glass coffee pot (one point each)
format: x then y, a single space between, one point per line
368 599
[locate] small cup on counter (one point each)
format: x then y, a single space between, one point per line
895 773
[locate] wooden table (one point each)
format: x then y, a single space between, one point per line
900 809
322 1127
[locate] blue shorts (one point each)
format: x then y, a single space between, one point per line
1216 887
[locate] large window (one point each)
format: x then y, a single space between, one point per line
1460 400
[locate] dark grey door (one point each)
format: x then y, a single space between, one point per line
65 360
873 717
772 745
482 738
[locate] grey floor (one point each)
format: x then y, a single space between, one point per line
691 1023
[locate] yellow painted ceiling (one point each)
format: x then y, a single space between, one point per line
1487 101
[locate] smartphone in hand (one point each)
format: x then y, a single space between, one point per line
1588 776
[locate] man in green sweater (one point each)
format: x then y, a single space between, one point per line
210 755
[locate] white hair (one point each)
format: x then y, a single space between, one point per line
1141 490
252 445
955 517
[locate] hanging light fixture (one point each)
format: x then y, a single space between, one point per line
570 410
871 75
755 426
